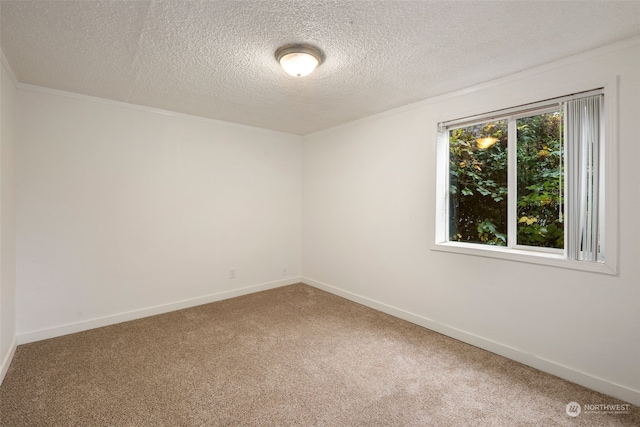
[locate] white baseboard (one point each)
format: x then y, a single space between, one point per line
583 378
70 328
6 361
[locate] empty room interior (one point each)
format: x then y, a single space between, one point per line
435 223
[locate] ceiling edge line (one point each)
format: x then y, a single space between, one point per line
7 66
144 108
519 75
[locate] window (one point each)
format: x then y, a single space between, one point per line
528 181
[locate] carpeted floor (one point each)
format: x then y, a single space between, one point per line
289 356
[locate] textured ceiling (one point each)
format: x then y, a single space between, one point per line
216 58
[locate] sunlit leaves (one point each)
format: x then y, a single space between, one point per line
478 182
540 181
527 220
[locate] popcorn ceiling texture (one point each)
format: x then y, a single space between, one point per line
216 58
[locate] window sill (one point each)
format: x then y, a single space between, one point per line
518 255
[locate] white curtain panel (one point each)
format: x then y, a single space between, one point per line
583 140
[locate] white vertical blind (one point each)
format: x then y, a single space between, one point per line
583 136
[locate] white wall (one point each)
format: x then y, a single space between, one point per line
124 212
7 218
368 231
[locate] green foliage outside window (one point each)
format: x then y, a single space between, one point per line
479 187
540 181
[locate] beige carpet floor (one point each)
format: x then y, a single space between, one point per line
288 356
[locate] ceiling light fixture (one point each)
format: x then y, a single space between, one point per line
299 60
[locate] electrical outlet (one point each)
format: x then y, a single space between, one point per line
284 271
232 273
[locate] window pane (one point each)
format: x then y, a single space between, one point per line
540 177
478 183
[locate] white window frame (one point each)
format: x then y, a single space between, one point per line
555 258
